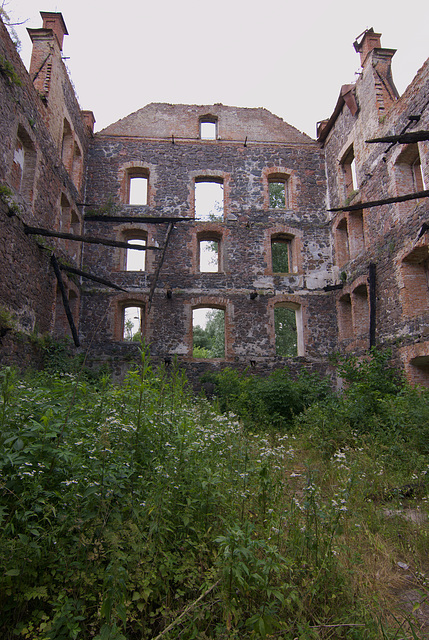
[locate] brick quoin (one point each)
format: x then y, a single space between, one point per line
64 178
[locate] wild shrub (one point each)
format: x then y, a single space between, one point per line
271 401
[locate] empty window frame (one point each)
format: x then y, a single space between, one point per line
341 234
278 195
348 166
209 198
24 164
418 371
208 332
67 146
356 233
208 128
209 253
135 259
281 254
345 320
77 166
286 329
415 280
360 309
137 186
65 217
408 171
132 323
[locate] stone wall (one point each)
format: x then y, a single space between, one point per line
390 236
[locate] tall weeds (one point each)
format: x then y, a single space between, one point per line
139 512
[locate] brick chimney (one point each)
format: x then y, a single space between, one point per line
370 40
55 22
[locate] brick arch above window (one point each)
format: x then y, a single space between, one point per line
137 171
279 188
207 177
283 234
123 302
294 303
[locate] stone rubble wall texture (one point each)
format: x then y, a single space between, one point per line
331 252
390 231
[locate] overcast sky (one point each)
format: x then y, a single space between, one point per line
290 57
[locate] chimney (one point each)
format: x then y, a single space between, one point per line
89 120
369 41
55 22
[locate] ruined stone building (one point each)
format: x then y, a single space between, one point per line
293 229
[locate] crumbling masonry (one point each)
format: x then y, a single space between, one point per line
342 213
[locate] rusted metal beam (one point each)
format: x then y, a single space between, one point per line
89 276
158 269
67 309
378 203
89 239
403 138
149 219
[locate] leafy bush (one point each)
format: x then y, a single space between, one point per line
267 402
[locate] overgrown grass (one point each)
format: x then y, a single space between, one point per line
139 512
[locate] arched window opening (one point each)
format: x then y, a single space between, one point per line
408 171
135 259
77 165
286 329
342 242
360 306
418 371
132 323
209 198
75 228
345 323
65 214
415 278
208 332
24 164
67 146
356 233
278 191
75 225
281 254
137 187
348 166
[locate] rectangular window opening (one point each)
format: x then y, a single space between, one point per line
209 197
280 256
286 332
135 259
138 190
208 130
208 332
209 256
277 193
132 330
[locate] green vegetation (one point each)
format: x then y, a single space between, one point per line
280 255
285 330
139 512
210 341
277 194
8 70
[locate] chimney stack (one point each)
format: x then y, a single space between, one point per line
55 22
370 41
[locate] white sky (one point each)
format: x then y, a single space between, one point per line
290 57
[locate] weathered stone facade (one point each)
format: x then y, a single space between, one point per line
65 179
392 236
